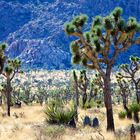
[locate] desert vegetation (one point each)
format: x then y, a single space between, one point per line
97 101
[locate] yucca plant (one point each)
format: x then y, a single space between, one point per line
135 108
59 113
122 115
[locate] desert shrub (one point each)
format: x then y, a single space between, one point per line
57 112
122 134
137 127
122 115
49 132
134 107
88 104
55 130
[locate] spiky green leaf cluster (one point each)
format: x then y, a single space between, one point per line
118 76
74 75
87 35
8 70
76 59
15 63
96 28
3 47
124 66
58 113
108 23
134 58
97 21
74 47
132 25
117 12
121 25
76 24
69 28
97 44
79 21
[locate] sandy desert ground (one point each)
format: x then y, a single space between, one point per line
31 125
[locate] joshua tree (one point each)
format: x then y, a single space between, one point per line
11 69
130 71
82 84
98 48
76 88
42 95
76 93
125 92
96 85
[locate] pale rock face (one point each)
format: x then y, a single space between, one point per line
34 29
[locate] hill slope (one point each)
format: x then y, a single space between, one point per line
34 28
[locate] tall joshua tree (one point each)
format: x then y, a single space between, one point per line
130 71
11 69
101 45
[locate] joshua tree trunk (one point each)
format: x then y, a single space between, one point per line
128 112
108 100
137 94
91 95
136 117
8 95
0 100
77 94
76 98
125 103
84 98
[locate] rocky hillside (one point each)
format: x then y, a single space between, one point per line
34 28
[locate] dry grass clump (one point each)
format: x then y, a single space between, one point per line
50 132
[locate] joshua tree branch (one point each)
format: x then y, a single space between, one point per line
136 42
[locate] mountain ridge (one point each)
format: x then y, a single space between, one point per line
34 30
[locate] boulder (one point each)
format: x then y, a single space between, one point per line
95 122
72 123
87 121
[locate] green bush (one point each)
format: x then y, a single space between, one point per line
88 104
122 115
57 112
134 107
